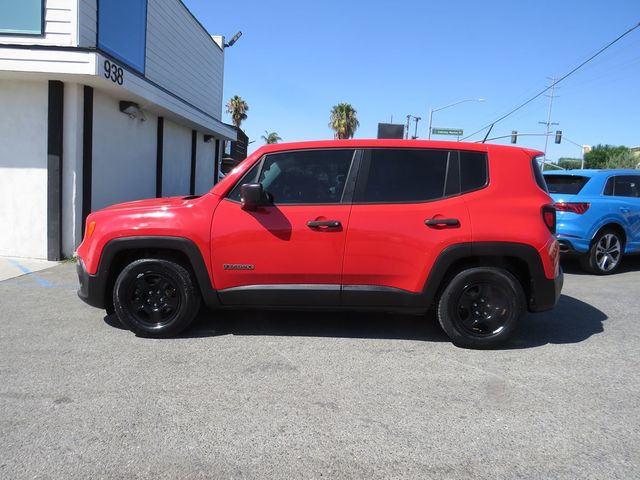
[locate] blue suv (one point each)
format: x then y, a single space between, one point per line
598 215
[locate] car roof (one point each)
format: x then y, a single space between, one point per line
391 143
591 172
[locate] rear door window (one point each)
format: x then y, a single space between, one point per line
627 186
402 176
566 184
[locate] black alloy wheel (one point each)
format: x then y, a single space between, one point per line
481 307
484 308
156 297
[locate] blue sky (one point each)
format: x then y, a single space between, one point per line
297 59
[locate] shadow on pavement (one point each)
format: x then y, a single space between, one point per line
572 321
630 263
317 324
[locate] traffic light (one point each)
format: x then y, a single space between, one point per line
514 136
558 136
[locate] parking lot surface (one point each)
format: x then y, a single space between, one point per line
331 395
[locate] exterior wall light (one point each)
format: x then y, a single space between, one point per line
130 108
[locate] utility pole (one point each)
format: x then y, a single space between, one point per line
406 132
548 123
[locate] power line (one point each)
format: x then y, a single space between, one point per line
556 82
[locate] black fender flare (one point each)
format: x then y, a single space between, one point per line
96 285
543 292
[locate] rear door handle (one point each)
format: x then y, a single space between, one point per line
624 209
324 224
442 222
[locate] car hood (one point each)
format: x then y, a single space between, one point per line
153 203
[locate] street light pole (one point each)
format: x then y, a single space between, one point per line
447 106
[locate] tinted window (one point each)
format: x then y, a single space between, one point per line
404 175
540 179
473 170
23 17
302 177
122 30
627 186
567 184
608 188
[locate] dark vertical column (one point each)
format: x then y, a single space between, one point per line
54 170
216 163
159 156
87 154
194 151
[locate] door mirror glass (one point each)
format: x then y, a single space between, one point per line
252 196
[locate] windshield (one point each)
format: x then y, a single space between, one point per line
567 184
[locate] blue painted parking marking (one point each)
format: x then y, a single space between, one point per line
41 281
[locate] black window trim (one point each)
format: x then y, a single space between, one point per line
366 163
43 12
347 193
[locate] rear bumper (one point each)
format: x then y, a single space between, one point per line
570 245
91 289
545 293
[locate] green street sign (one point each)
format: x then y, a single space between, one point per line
447 131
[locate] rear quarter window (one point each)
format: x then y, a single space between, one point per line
473 171
540 179
566 184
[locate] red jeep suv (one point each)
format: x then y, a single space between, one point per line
387 225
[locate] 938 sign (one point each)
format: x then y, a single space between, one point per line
113 72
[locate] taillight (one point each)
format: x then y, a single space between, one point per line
578 208
549 217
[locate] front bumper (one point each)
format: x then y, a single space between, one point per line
545 293
92 287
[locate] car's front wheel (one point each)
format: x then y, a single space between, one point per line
155 297
605 254
481 307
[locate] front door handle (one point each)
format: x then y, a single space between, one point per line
442 222
323 224
624 209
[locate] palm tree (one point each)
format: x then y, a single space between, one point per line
237 108
271 137
343 121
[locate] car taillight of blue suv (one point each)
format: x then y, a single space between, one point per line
598 215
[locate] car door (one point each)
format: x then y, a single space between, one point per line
291 251
627 192
405 212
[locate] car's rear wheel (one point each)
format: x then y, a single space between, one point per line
605 254
155 297
481 307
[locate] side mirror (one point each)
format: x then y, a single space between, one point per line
252 196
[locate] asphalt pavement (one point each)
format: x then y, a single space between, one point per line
299 395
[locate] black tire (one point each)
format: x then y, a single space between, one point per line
155 298
605 254
481 307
